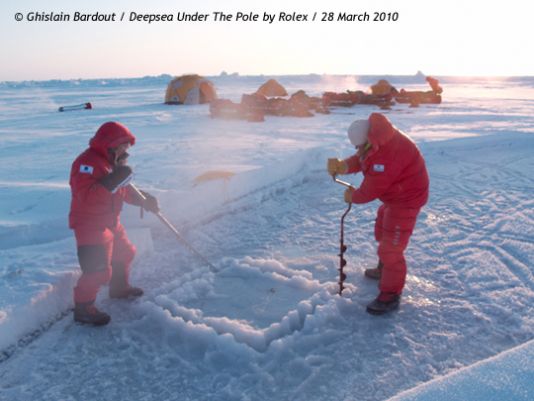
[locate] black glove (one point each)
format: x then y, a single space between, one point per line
150 204
119 177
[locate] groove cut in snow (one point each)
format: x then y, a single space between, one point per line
269 288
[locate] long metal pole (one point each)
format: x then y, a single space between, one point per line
180 238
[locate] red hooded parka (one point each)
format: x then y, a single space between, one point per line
394 168
91 203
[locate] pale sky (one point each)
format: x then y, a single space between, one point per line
467 37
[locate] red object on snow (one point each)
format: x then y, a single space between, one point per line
83 106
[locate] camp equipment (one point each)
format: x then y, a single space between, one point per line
190 89
83 106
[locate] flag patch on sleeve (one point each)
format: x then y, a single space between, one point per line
85 169
379 168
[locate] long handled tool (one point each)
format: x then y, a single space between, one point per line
342 246
180 238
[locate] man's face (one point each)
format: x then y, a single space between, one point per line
121 149
117 152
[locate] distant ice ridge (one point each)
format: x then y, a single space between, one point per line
235 78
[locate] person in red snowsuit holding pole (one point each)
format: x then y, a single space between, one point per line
99 181
395 173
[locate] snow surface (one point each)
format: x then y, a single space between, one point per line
267 324
507 376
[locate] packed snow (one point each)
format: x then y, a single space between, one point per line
267 322
507 376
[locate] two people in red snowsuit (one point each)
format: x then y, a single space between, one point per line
99 182
395 173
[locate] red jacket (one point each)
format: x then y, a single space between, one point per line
394 169
92 205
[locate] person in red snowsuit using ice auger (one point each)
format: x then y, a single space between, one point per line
99 181
395 173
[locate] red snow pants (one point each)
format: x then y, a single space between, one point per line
393 228
104 255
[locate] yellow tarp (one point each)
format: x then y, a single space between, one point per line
213 175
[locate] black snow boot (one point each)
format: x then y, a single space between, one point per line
88 314
384 303
376 272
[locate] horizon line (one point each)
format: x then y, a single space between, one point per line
237 74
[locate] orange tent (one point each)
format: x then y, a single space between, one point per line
190 89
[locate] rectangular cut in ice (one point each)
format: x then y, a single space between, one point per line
255 302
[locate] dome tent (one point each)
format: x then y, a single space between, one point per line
190 89
271 88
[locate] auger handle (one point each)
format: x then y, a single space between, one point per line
344 183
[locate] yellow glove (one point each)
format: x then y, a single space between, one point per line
348 194
336 166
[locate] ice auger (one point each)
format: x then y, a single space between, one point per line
342 246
